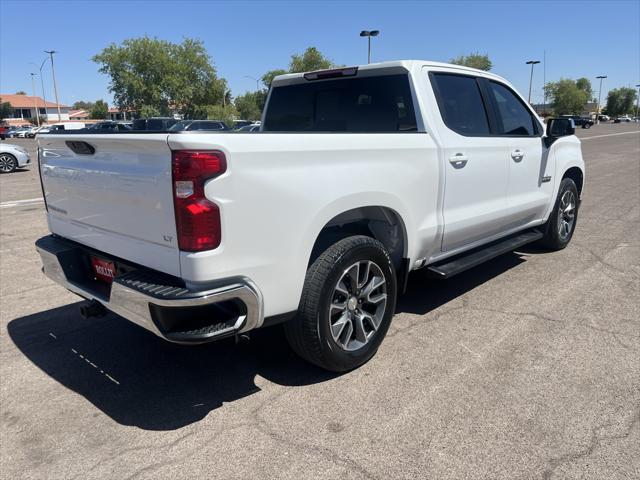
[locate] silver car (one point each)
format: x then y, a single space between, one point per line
12 157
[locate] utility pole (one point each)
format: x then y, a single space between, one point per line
637 102
35 99
257 81
44 96
599 94
544 78
369 34
532 63
55 87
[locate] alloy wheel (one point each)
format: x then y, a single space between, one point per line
358 305
566 214
7 163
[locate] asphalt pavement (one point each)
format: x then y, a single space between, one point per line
525 367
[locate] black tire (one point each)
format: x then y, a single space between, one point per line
8 163
554 238
586 125
310 334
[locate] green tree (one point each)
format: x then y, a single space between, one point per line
268 77
620 101
6 110
21 92
228 113
473 60
82 105
250 105
100 110
310 60
167 76
566 98
585 85
147 111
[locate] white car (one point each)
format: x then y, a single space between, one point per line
623 118
12 157
358 176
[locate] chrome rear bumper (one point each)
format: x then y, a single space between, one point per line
145 297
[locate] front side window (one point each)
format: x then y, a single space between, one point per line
461 105
513 117
359 105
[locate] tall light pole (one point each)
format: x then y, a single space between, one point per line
637 102
369 34
35 99
532 63
55 87
598 104
257 81
44 96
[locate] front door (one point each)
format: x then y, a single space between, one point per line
476 164
530 183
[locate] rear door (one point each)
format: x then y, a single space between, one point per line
113 193
530 188
475 162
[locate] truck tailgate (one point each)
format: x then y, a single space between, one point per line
118 199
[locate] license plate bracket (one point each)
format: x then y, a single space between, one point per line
104 270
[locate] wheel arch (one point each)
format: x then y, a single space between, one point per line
380 222
577 175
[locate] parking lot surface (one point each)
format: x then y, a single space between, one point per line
524 367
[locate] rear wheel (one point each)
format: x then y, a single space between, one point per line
347 303
562 222
8 163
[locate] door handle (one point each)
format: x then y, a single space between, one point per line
458 160
517 154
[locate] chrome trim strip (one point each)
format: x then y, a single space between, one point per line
134 305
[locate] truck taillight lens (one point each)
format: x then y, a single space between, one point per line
197 219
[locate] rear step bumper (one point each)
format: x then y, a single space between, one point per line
153 300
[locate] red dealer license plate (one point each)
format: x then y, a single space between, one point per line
103 269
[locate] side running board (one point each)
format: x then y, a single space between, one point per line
452 266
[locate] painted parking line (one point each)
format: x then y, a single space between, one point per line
21 203
609 135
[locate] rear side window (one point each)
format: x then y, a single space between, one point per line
513 117
360 105
460 103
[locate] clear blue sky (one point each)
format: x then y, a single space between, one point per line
582 38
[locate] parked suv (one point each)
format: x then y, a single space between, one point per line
362 175
154 123
579 121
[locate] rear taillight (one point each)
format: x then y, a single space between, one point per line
197 219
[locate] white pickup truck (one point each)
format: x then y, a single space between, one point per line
358 176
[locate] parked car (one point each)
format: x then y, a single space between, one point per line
604 118
154 123
366 174
12 131
584 122
249 128
34 131
12 157
109 127
61 127
19 132
193 125
622 119
238 124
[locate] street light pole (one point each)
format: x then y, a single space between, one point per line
598 104
637 102
44 96
55 87
532 63
35 99
257 81
369 34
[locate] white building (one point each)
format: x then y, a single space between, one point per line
25 107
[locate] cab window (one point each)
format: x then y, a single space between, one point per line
514 118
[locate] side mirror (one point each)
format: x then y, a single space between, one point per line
559 127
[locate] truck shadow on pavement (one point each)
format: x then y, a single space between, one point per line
141 380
